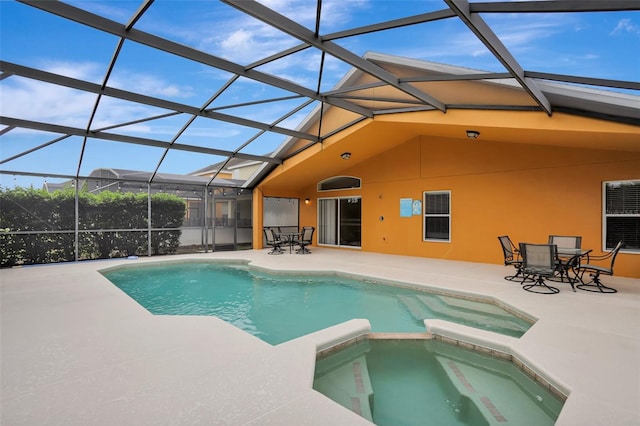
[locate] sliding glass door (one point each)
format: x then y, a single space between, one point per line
340 221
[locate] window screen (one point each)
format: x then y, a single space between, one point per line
437 216
622 214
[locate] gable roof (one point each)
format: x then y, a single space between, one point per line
461 89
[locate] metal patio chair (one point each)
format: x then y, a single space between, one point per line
306 236
595 271
273 241
539 261
565 241
565 263
511 257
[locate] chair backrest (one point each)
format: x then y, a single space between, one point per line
307 233
507 247
269 235
539 259
614 253
566 241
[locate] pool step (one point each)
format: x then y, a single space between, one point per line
498 398
498 323
415 307
470 399
424 307
471 305
349 385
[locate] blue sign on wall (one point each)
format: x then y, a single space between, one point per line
405 207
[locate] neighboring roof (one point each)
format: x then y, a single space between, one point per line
221 166
378 84
170 178
144 177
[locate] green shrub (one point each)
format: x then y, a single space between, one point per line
103 221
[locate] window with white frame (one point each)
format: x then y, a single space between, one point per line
437 216
621 215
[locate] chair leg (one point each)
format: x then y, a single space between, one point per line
595 285
513 277
518 275
563 272
276 250
303 250
540 287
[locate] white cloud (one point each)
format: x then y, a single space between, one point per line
38 101
50 103
237 40
145 83
457 45
625 26
520 35
167 132
334 13
114 10
243 39
248 41
112 111
150 85
223 131
294 121
88 71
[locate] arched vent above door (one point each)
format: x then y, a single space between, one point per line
339 182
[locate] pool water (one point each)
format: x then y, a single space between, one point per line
278 308
407 382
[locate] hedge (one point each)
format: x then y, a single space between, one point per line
31 210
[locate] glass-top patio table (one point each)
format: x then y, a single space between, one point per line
569 260
289 238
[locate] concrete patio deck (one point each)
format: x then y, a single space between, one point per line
75 350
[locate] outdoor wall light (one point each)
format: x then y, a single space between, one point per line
345 155
307 201
473 134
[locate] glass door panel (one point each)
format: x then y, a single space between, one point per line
328 222
350 221
340 221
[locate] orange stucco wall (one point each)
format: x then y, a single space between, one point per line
525 191
528 175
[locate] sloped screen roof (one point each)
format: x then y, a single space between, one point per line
170 87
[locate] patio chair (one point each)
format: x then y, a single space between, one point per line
565 263
306 236
539 261
273 241
595 271
511 257
565 241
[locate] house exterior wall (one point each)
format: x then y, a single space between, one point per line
524 191
243 172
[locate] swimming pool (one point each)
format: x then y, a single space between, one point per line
407 382
280 307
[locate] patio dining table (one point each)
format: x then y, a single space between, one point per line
289 238
569 260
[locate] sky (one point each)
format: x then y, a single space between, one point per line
602 45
